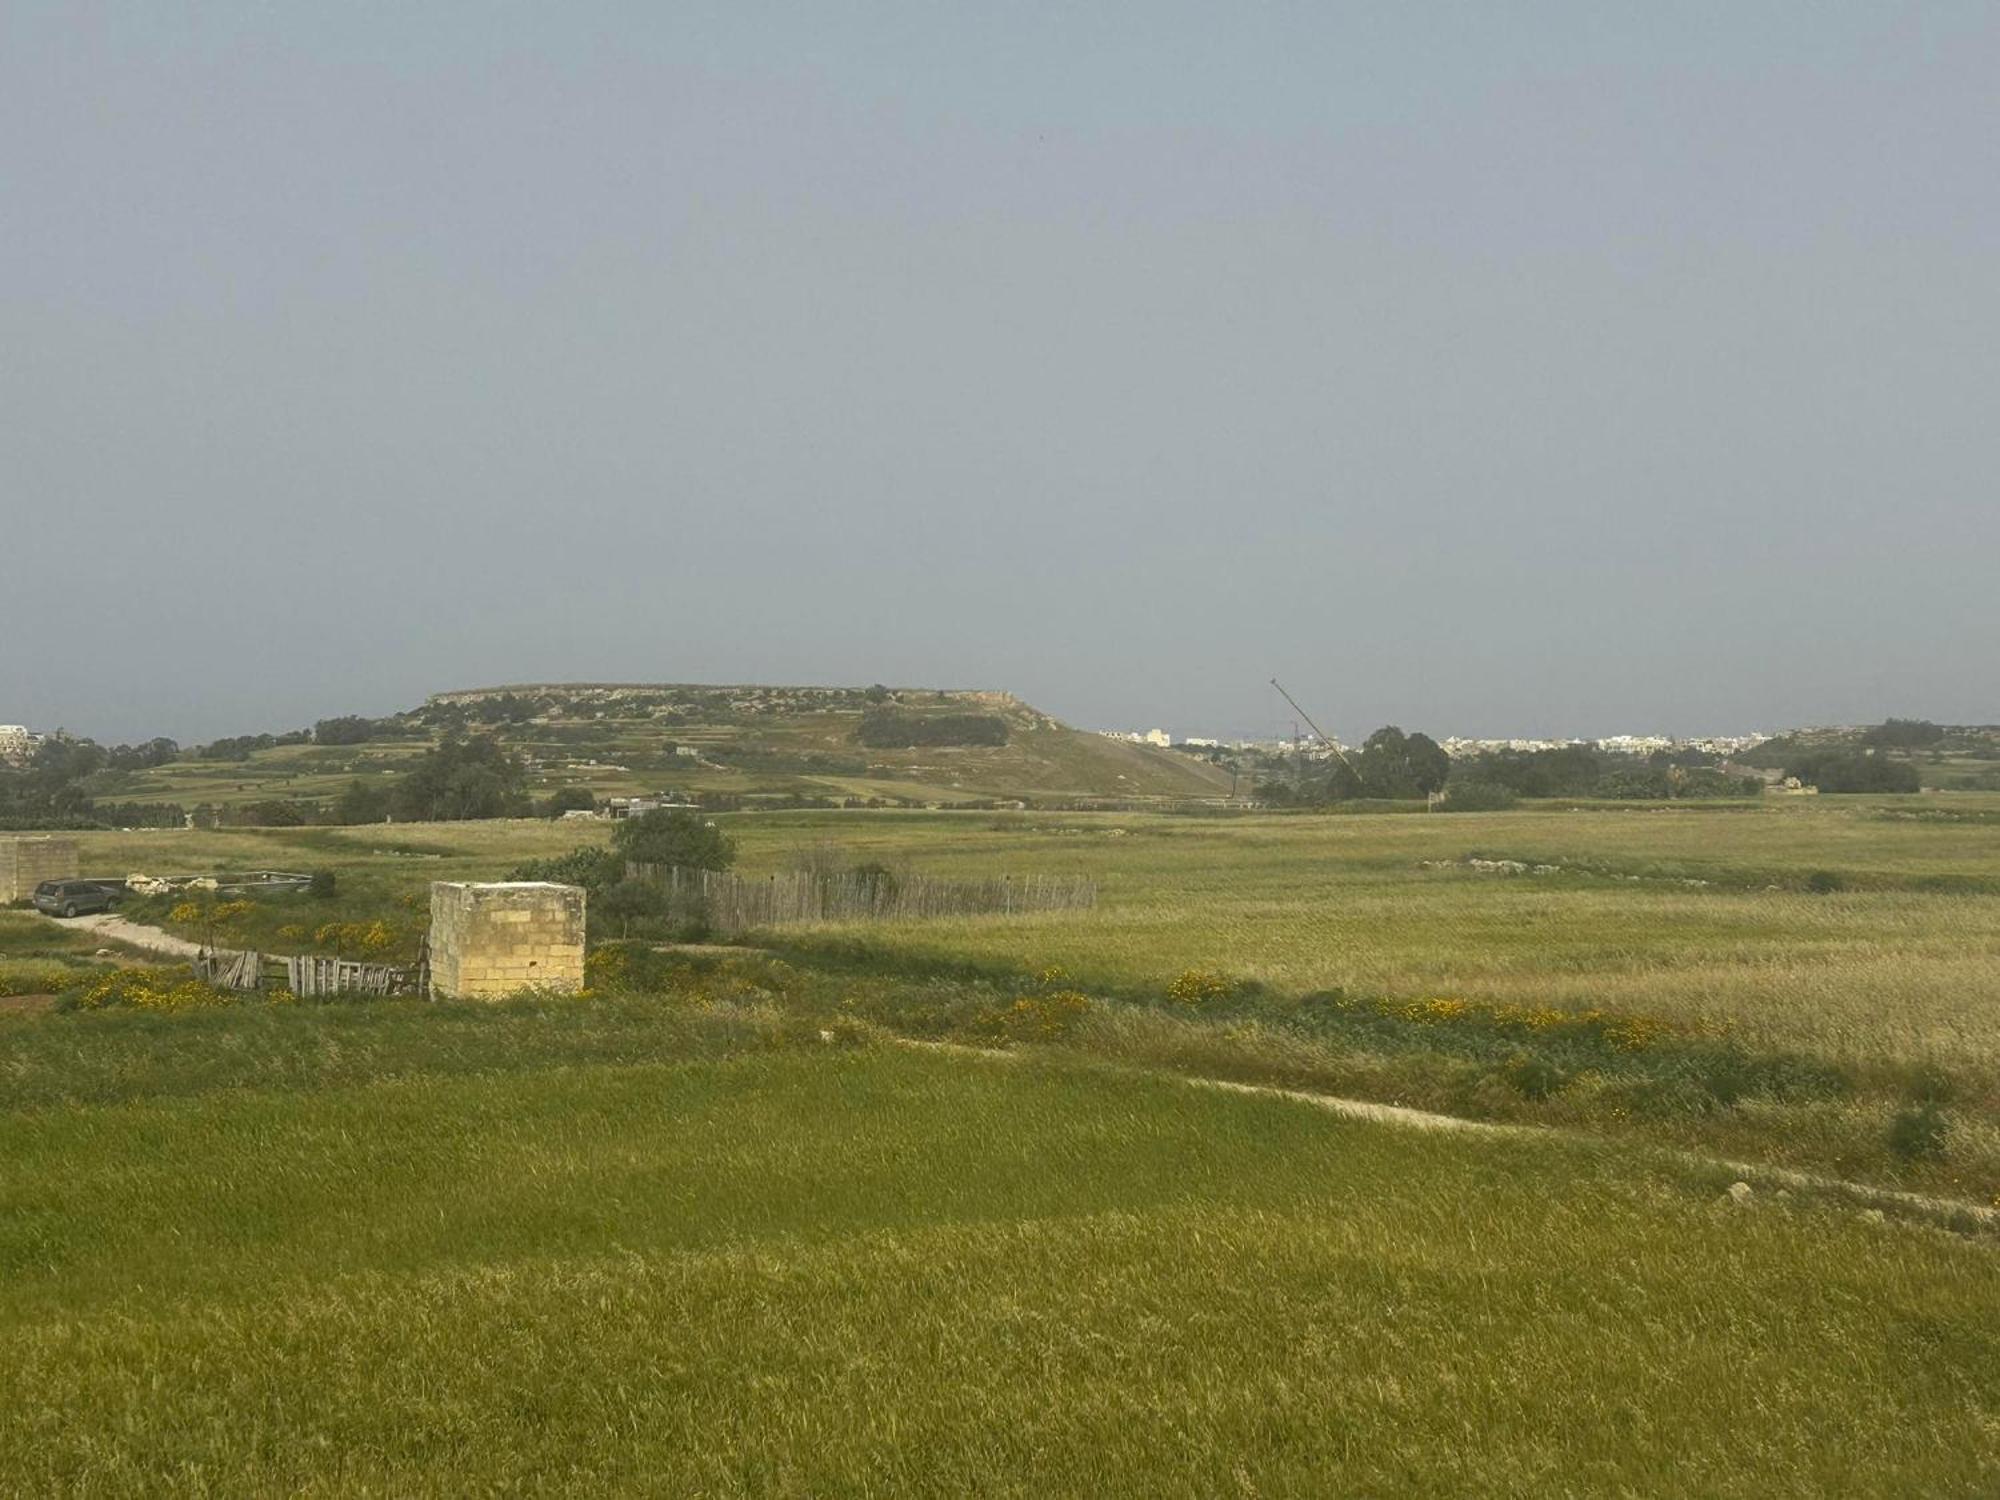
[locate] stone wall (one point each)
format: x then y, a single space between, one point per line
25 863
488 941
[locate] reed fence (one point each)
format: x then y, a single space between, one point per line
735 903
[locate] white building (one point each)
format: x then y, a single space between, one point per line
16 744
1158 737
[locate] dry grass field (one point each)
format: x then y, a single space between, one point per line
711 1229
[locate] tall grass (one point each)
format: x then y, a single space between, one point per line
824 1272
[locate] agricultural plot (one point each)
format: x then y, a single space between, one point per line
1809 982
605 1247
717 1227
1707 916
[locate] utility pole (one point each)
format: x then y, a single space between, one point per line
1324 738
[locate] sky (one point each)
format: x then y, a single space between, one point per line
1486 369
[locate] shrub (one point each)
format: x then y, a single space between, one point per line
1199 987
1931 1085
592 868
1478 796
367 937
569 799
1825 882
144 989
322 885
1919 1133
1535 1077
1033 1018
1845 772
670 836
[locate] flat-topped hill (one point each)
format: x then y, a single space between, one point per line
761 743
765 740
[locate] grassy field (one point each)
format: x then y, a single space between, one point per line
588 1247
1854 936
1901 961
712 1230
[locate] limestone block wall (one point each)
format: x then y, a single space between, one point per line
488 941
26 862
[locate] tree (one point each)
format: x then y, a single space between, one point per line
459 779
569 799
1394 764
627 900
671 836
361 802
1903 734
1840 772
348 729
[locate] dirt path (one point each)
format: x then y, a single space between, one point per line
109 925
1945 1210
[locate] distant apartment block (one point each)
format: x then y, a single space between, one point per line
17 744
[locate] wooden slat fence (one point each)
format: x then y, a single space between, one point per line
311 977
735 903
230 971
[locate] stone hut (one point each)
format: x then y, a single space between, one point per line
490 941
26 863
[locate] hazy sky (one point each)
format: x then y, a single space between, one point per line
1485 368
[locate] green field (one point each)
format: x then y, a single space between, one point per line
1701 921
669 1237
792 1269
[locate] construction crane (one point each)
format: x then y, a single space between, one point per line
1324 738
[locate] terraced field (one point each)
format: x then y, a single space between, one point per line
758 743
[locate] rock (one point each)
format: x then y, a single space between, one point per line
1873 1216
1740 1194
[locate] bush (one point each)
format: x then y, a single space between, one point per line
594 869
1920 1133
322 885
348 729
1825 882
1033 1018
1839 772
1199 987
1903 734
1535 1078
671 837
1478 796
144 989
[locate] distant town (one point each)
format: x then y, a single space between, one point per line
18 743
1457 747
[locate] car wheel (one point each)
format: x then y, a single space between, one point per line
69 908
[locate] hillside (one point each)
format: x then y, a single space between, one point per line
758 743
1947 757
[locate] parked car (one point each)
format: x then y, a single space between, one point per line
73 898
